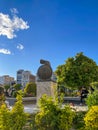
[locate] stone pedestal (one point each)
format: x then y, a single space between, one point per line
47 87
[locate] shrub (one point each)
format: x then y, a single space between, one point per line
5 118
17 114
31 120
52 117
91 119
2 99
46 119
79 120
65 120
92 99
13 119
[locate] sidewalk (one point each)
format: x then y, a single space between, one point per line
77 107
80 108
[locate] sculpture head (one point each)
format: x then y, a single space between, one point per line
44 62
44 72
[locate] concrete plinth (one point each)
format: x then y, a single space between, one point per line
48 87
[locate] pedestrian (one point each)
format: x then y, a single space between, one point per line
83 95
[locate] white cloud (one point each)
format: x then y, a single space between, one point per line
5 51
8 26
20 47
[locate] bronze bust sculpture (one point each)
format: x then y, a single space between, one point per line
44 72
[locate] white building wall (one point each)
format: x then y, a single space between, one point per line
1 80
25 78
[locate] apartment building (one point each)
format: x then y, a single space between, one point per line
6 79
24 77
19 76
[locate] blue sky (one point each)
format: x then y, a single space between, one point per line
53 30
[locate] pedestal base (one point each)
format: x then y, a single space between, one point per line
48 87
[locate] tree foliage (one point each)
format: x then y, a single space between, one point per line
77 71
17 87
94 85
2 96
1 90
30 88
92 99
6 86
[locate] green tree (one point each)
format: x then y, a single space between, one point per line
6 87
1 90
17 87
77 71
30 89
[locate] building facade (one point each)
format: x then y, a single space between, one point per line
6 79
19 76
24 77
